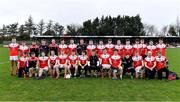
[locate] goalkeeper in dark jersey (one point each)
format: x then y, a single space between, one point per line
33 65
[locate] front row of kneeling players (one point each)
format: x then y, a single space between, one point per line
74 65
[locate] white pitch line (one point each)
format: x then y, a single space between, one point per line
4 62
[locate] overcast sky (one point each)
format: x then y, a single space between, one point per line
157 12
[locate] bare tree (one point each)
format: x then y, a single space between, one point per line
151 30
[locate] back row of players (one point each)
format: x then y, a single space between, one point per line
140 60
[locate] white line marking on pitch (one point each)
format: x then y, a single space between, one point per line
4 62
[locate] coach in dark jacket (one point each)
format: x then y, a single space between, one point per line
44 47
81 47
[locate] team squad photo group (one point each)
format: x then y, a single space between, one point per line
105 59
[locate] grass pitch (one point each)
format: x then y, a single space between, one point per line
88 89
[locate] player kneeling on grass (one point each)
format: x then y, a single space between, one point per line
61 62
150 64
138 64
22 65
105 64
52 65
83 61
43 65
33 65
161 66
72 64
115 62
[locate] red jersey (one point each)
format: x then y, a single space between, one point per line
128 50
136 47
100 49
143 49
89 49
152 48
13 49
115 60
105 58
34 48
83 59
73 59
120 49
23 62
62 58
53 47
43 62
161 48
160 62
71 47
33 59
52 59
137 61
110 48
23 49
63 47
150 61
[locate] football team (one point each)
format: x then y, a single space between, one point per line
138 60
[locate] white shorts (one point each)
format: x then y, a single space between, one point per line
61 66
106 66
41 70
13 58
138 69
55 66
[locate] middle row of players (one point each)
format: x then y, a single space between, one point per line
83 62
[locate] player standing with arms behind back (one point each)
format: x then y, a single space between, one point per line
23 48
13 52
161 47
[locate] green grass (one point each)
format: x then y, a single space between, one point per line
15 89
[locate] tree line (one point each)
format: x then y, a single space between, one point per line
100 26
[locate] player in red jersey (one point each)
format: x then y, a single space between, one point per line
128 49
72 64
83 62
116 62
161 66
34 48
63 46
152 48
161 47
71 47
105 63
120 48
23 48
13 53
150 64
143 49
33 65
62 62
100 48
53 46
90 47
136 47
110 47
52 65
22 65
43 64
138 64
